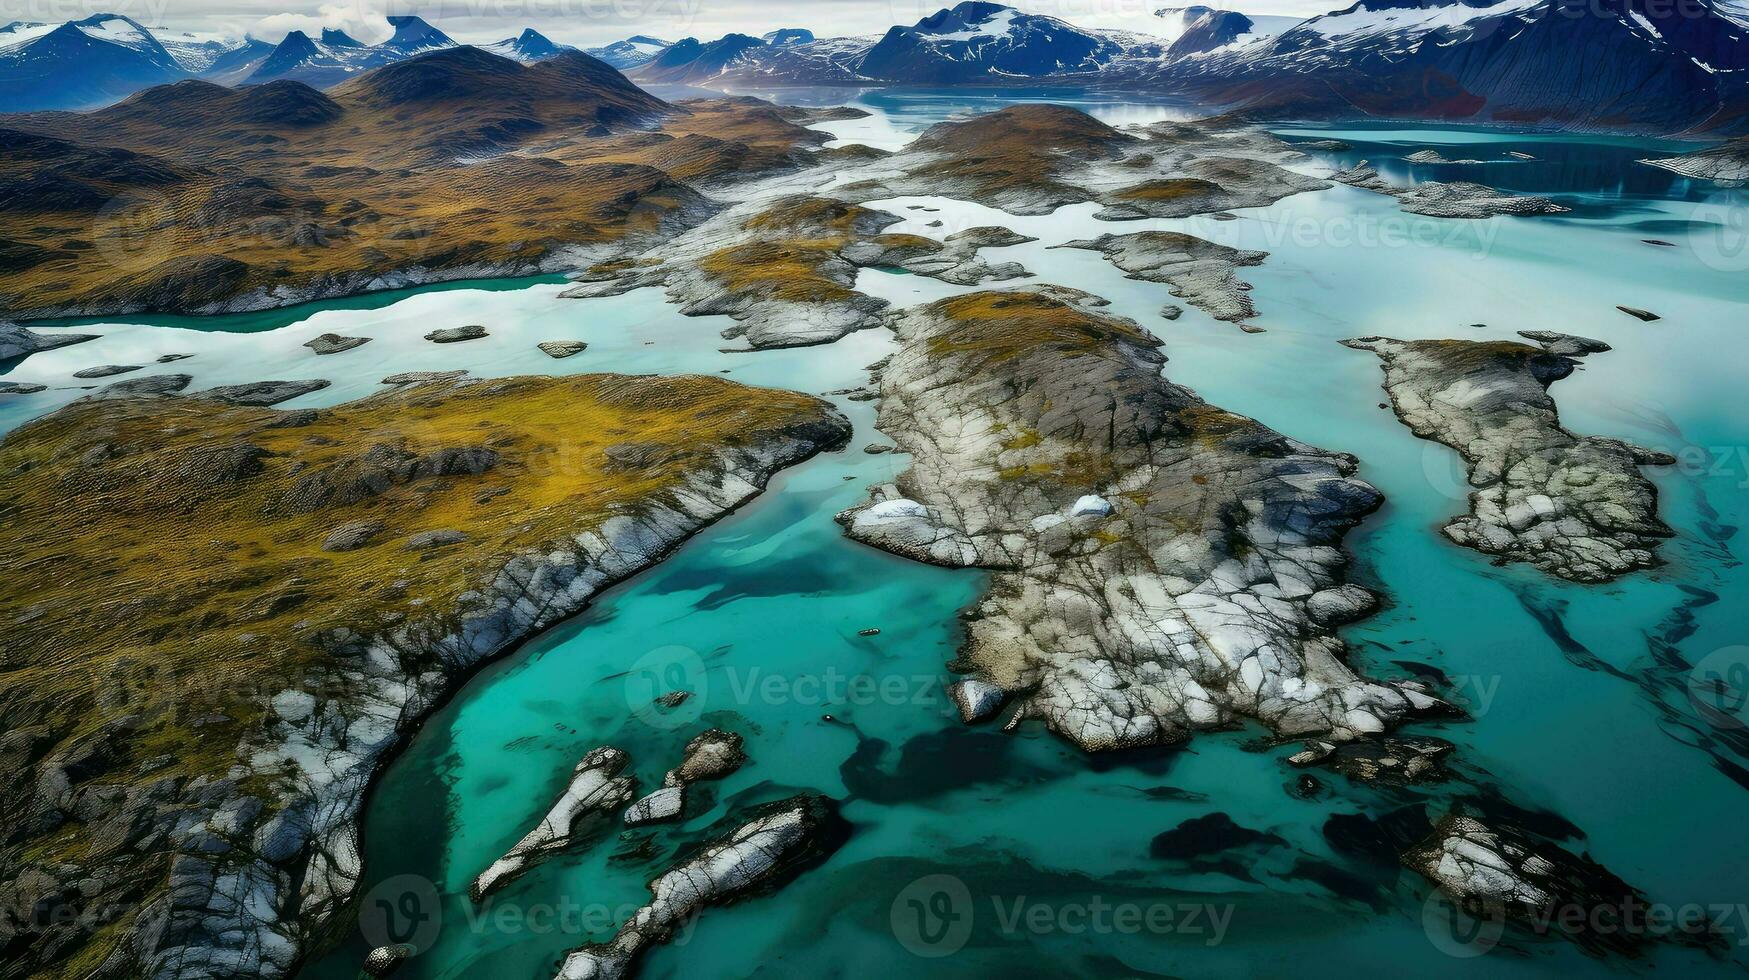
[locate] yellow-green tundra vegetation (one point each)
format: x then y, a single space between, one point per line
174 562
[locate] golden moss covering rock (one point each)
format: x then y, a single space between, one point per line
222 616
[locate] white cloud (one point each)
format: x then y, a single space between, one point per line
359 19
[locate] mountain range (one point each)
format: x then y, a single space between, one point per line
1670 66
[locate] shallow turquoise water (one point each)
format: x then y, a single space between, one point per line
1577 694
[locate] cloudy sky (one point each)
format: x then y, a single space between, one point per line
589 21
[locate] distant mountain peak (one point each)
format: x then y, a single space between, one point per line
336 38
787 36
412 33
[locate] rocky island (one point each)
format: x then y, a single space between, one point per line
1576 507
1162 567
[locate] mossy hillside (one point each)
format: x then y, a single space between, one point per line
166 556
1019 149
794 247
266 203
1171 189
998 326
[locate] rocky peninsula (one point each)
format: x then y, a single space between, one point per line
189 731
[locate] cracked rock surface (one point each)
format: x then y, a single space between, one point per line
596 789
1499 874
1185 607
777 843
1576 507
711 754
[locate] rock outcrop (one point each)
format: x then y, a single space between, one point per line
1725 162
18 342
1461 199
1156 559
1576 507
1200 272
1501 874
779 842
710 755
333 343
596 790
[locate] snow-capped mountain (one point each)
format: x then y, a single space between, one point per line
1193 30
1586 63
528 47
787 36
972 42
80 63
976 39
339 56
692 60
636 50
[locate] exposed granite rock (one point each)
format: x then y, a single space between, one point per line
954 259
20 388
154 385
1340 606
780 841
561 349
1454 200
353 535
106 371
976 700
1395 759
712 754
1574 507
19 342
262 393
1184 608
427 540
422 377
1725 162
1436 157
385 960
1200 272
596 789
333 343
663 805
453 335
1644 316
1501 874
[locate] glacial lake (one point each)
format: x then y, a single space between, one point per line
1582 699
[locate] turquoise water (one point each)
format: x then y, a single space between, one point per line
1578 695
